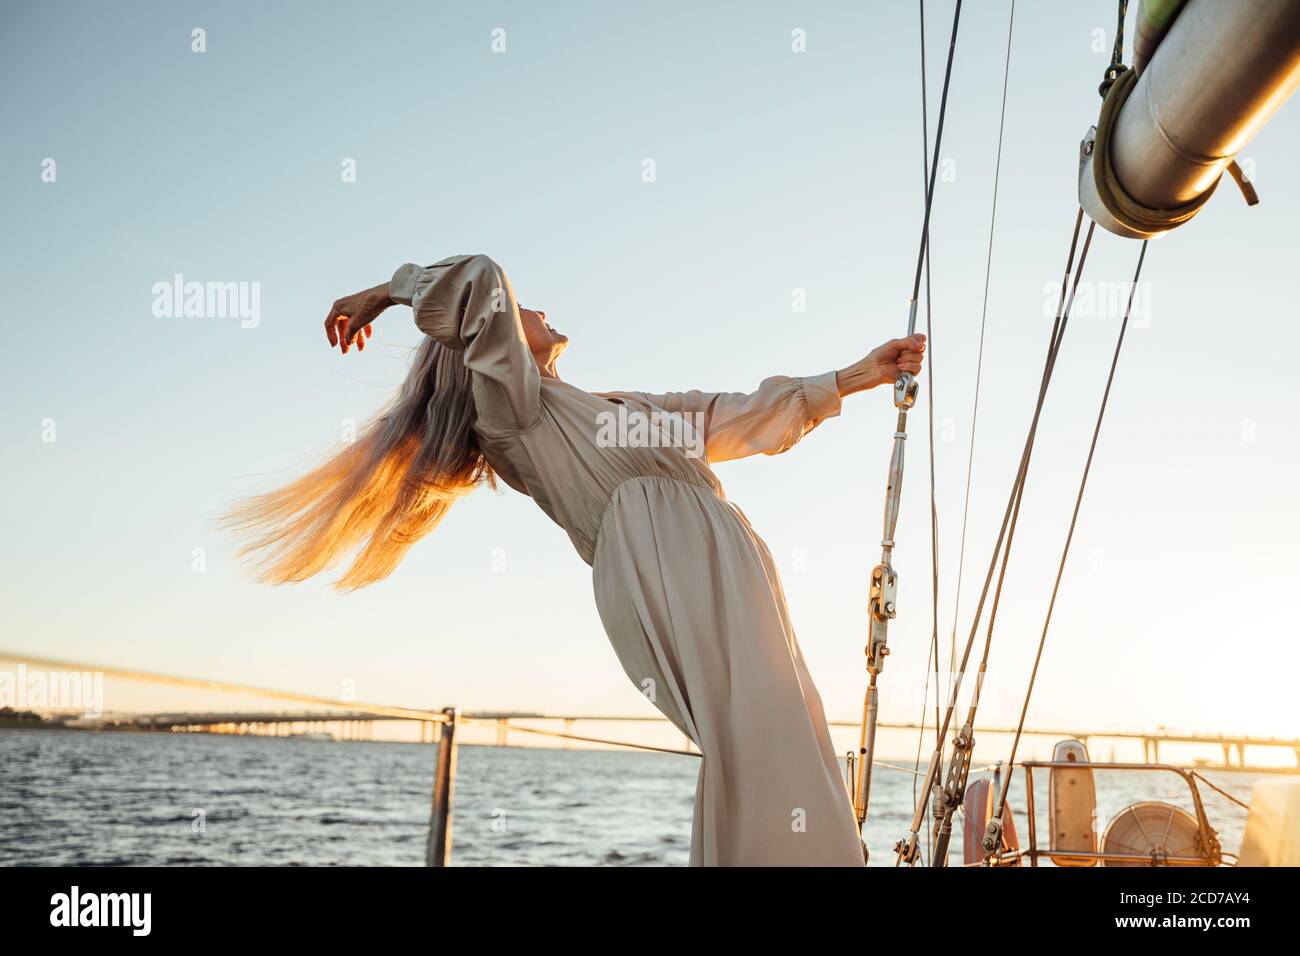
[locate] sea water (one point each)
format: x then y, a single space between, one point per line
89 799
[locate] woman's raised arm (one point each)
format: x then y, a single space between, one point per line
466 304
767 421
782 410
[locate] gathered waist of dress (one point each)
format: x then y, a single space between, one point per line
700 481
705 490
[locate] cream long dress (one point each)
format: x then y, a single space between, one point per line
688 593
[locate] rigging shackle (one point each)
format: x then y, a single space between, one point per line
905 386
884 597
992 842
905 389
948 799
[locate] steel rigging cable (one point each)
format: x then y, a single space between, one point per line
963 744
979 362
884 581
907 848
993 834
934 511
988 268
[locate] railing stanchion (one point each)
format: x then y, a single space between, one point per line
444 782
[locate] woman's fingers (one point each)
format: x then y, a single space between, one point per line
348 338
349 321
911 353
905 354
336 330
331 326
911 343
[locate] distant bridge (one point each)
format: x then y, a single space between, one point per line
359 724
355 720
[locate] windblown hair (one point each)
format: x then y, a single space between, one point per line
379 495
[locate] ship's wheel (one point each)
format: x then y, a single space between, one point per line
1153 830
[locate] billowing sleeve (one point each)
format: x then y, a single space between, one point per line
466 303
767 421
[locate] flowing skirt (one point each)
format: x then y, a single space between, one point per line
692 603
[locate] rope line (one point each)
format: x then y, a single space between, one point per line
591 740
1219 790
917 773
1117 54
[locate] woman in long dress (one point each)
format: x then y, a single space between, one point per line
687 592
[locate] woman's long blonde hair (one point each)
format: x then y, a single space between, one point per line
380 494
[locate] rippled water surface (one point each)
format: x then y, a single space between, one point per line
76 798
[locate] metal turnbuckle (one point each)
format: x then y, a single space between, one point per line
883 599
950 797
883 602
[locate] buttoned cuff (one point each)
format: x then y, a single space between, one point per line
822 393
401 288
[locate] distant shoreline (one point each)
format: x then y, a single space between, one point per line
11 719
36 722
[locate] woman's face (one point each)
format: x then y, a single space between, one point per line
543 341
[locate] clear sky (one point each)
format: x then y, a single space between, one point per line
775 171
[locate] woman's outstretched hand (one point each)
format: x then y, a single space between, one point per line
348 322
883 365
